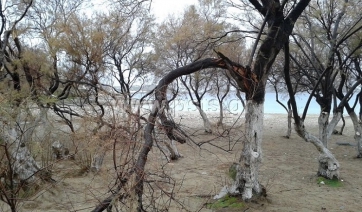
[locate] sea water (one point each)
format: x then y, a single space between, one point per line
232 104
209 103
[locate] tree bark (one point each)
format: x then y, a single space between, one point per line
328 164
323 120
247 178
289 130
97 161
337 115
24 165
221 114
358 132
326 128
205 119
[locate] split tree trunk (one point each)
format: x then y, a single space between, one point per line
326 128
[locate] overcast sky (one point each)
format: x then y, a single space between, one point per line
162 8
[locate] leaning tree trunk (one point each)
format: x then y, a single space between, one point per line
337 115
247 178
358 133
205 119
328 164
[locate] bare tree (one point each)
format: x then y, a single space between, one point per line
317 55
185 45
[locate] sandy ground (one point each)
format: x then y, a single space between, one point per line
287 171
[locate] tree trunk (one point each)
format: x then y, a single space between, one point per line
207 124
30 127
289 131
326 128
171 148
358 131
221 115
241 99
247 179
323 125
24 165
328 164
342 127
333 123
97 161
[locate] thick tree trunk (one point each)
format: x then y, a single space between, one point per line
207 124
328 164
24 165
247 178
323 125
326 128
358 133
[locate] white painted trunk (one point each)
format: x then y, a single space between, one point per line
24 165
171 148
327 127
247 177
42 117
358 131
333 123
323 125
328 164
207 124
97 161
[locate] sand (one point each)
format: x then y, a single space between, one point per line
288 172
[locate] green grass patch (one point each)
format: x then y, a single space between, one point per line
226 202
332 183
233 171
